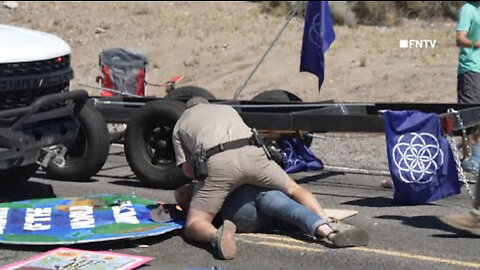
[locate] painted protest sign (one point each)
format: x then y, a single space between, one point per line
80 220
70 259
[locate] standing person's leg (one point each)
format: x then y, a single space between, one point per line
476 203
468 91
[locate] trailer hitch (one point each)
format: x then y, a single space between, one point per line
55 154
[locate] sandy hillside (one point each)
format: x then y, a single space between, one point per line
216 44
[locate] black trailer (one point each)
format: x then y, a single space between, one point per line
150 122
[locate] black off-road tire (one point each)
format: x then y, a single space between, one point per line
87 155
17 176
187 92
281 96
276 96
149 147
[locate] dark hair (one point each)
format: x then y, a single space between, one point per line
195 101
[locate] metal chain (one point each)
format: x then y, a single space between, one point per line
465 144
456 155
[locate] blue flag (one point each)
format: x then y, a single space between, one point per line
297 157
318 35
421 161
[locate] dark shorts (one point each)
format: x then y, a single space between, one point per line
468 87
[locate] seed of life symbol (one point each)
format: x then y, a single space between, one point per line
417 157
315 33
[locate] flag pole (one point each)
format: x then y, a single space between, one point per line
291 16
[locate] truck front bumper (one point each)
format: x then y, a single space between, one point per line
50 120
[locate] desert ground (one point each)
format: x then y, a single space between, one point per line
215 45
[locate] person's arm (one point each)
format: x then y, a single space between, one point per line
180 153
465 18
463 41
183 195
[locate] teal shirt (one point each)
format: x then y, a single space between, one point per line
469 21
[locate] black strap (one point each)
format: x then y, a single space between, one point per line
229 146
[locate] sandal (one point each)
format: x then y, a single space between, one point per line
225 241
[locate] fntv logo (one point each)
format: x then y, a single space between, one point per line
417 43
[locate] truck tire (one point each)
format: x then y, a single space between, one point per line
149 147
17 176
187 92
88 153
276 96
281 96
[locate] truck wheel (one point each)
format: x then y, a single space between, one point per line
187 92
17 176
149 147
276 96
88 153
281 96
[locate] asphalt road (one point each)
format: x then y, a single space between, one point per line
400 237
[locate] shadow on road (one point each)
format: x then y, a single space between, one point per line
201 245
371 202
43 175
100 246
316 177
378 202
128 183
26 191
429 222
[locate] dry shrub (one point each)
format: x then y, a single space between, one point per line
428 10
383 13
376 12
276 8
141 8
342 14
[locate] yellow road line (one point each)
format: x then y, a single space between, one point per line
273 237
362 249
416 257
285 246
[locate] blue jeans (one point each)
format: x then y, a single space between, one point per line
255 209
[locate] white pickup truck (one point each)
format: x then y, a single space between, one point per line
42 123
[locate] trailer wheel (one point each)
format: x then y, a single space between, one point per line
88 153
281 96
149 147
17 176
276 96
187 92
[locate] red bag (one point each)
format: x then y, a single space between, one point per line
123 71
